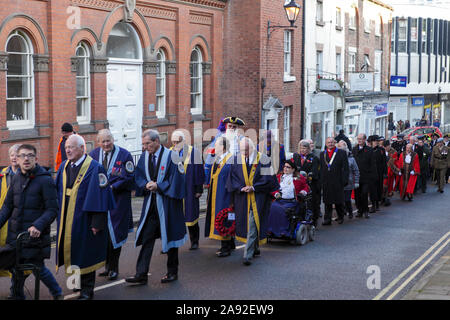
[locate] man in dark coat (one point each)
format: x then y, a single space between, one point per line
333 177
119 167
379 154
424 154
30 205
342 136
363 155
306 161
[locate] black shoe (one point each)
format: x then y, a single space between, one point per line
350 215
366 215
169 278
326 223
257 253
86 296
233 245
340 221
141 280
222 254
58 297
76 290
113 275
246 262
372 209
104 273
441 191
194 246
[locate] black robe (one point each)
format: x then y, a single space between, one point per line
336 178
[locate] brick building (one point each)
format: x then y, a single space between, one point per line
132 65
126 65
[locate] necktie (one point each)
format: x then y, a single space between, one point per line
154 163
105 161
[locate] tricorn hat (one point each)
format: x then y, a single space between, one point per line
234 120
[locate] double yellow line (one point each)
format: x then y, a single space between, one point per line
441 243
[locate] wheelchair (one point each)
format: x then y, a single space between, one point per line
296 224
22 265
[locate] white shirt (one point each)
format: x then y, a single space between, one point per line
79 161
219 160
287 187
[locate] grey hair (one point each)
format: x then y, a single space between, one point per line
343 146
305 143
152 134
105 132
179 133
79 139
14 148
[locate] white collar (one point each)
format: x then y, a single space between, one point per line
79 160
219 160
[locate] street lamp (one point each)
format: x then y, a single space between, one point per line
292 10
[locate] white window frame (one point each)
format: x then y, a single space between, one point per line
367 24
378 65
424 36
402 41
85 116
352 19
338 17
414 42
338 66
319 10
29 100
287 129
287 52
197 96
319 62
161 77
378 22
351 60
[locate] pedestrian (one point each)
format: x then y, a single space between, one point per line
191 159
342 136
293 187
407 124
391 128
363 155
424 155
162 183
409 165
306 161
119 167
353 178
392 172
84 198
437 123
66 131
400 126
273 149
30 205
440 161
379 157
251 181
334 174
218 196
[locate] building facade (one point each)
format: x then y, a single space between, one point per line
124 65
420 86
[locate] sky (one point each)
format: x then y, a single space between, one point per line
421 8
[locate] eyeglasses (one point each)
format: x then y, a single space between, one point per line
29 156
288 167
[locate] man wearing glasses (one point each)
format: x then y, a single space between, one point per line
30 205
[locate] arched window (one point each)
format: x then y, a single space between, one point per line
19 81
161 84
123 42
196 81
83 84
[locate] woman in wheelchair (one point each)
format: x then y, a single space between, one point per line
288 200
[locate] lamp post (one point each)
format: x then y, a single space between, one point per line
292 10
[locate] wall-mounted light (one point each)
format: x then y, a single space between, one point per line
292 10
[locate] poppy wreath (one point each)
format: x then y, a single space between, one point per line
221 223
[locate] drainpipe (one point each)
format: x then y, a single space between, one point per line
302 98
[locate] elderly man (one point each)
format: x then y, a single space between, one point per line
363 155
440 160
306 161
162 183
333 177
119 167
410 168
191 159
251 182
85 198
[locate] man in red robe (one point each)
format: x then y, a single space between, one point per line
409 165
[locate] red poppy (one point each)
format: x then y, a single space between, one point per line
1 176
162 168
118 163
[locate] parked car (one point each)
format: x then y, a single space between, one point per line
419 131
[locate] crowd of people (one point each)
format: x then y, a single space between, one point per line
249 188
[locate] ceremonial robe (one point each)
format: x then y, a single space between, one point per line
90 197
5 179
407 180
259 176
120 173
169 198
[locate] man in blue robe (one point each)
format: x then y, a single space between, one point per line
161 181
84 198
251 181
191 159
119 167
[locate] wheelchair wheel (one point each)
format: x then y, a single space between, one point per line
302 235
311 233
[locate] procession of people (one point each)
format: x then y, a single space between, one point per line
250 185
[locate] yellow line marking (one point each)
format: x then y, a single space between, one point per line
407 270
417 271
